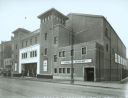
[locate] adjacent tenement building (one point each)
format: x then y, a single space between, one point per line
87 42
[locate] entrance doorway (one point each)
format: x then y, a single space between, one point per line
89 74
30 69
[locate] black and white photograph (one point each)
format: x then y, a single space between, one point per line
63 49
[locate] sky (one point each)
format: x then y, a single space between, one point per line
23 14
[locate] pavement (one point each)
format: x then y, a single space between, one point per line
112 85
26 88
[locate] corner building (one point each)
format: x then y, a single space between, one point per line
98 53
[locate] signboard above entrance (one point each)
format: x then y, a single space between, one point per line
77 61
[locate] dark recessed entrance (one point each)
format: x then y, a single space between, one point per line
89 74
29 70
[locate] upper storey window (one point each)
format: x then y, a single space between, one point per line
45 36
47 18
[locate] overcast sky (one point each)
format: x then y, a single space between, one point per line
23 14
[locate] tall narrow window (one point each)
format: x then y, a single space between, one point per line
84 50
59 54
68 70
55 58
45 36
63 70
15 69
55 40
31 54
63 53
35 53
55 70
60 70
45 51
106 32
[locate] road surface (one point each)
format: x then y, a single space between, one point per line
15 88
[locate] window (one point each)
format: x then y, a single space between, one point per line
63 53
45 36
107 47
84 50
55 40
68 70
15 67
31 54
55 70
63 70
25 55
59 54
55 58
119 59
60 70
45 67
45 51
35 53
116 58
72 52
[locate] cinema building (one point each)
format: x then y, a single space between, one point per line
87 41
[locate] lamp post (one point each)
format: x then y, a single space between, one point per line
72 54
11 68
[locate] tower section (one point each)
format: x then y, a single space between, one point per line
49 33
